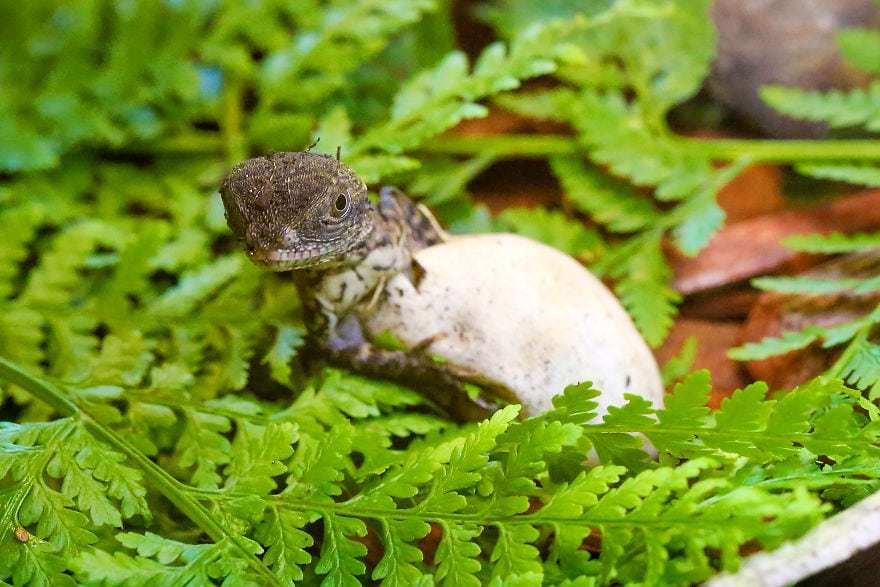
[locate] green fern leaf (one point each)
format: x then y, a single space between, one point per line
13 243
441 180
805 285
645 291
317 465
834 242
861 47
441 97
359 397
614 205
575 405
571 499
195 287
398 564
616 134
340 555
859 107
552 104
514 552
21 334
288 339
682 363
868 175
33 564
102 567
202 444
622 447
122 359
553 228
468 455
56 278
159 561
862 370
286 543
768 347
524 448
121 482
258 454
457 553
697 230
345 37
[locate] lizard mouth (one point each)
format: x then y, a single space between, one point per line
286 260
306 254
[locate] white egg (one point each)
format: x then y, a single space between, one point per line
521 315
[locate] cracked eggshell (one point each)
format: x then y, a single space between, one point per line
520 314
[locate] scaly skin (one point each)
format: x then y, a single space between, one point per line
309 213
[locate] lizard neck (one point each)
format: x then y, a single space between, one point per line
399 229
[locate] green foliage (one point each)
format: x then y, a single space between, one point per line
861 47
609 203
164 431
858 362
859 107
629 73
643 284
554 229
682 363
834 242
508 497
816 286
868 175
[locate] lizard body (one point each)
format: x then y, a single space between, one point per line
518 318
309 213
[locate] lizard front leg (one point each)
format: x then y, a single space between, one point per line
346 346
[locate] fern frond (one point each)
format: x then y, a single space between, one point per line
617 135
614 205
862 369
555 104
286 542
868 175
553 228
834 243
747 424
806 285
441 97
195 287
346 37
158 561
644 288
258 454
861 47
839 109
340 555
770 346
288 339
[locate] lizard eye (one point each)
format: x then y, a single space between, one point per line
340 206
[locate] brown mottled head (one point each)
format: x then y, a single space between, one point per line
295 210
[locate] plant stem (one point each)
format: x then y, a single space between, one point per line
513 145
158 477
785 151
196 142
780 151
545 145
235 143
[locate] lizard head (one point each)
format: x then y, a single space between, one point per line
296 210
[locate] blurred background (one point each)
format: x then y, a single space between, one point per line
631 134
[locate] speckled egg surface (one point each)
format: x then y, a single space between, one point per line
522 315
